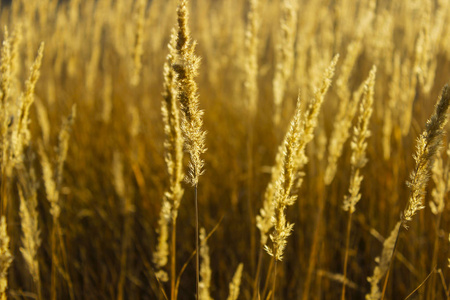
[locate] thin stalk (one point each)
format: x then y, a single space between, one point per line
258 274
123 259
183 268
39 288
266 284
432 290
419 167
420 285
274 278
347 244
54 262
197 248
313 252
444 285
173 260
250 193
66 265
390 264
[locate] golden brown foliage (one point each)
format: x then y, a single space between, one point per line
97 208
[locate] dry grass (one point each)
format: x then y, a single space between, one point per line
95 206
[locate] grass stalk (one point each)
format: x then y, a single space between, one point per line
432 290
65 271
256 282
358 160
124 258
428 144
274 282
173 260
317 237
53 282
197 248
422 283
250 192
186 68
347 245
251 93
383 292
267 281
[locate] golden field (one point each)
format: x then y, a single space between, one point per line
304 142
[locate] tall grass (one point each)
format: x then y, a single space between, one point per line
109 204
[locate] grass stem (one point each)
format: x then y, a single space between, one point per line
197 248
347 244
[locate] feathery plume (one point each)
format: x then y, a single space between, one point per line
5 89
441 180
312 113
160 256
365 18
360 134
186 68
358 160
283 186
236 283
423 51
392 107
63 145
353 51
49 183
172 130
347 109
251 63
31 239
138 43
92 65
428 144
174 161
284 54
408 81
16 40
21 137
5 67
30 84
382 264
264 221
